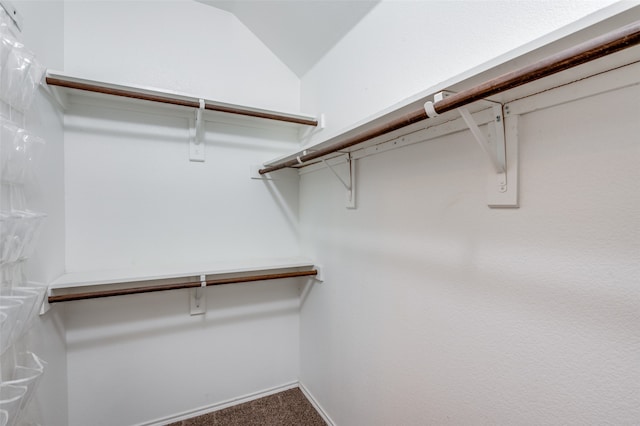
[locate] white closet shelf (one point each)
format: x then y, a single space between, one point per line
64 84
587 43
484 96
148 279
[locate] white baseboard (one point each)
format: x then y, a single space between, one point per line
221 405
316 405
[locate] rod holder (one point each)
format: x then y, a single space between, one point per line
196 142
197 299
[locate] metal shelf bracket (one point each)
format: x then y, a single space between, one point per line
350 186
500 145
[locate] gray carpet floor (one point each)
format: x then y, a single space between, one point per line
286 408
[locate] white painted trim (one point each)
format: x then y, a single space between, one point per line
219 405
316 405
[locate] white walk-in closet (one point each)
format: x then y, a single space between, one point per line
366 212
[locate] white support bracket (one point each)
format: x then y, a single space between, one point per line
197 299
350 186
500 144
495 149
196 142
320 275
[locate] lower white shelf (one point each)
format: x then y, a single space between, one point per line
98 284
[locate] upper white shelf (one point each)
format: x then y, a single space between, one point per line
74 280
596 25
70 83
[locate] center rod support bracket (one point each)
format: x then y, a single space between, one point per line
197 300
196 139
499 139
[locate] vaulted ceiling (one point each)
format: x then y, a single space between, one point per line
299 32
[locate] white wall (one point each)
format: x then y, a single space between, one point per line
404 47
133 198
438 310
182 46
44 35
457 318
141 358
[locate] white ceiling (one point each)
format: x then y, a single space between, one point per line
299 32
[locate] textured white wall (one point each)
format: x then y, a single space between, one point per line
44 35
134 198
183 46
404 47
438 310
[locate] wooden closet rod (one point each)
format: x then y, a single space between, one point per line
176 286
166 99
598 47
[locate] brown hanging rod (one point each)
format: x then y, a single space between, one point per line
598 47
176 286
168 99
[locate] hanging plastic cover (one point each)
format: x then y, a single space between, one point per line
20 71
20 152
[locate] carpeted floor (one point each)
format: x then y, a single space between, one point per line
286 408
